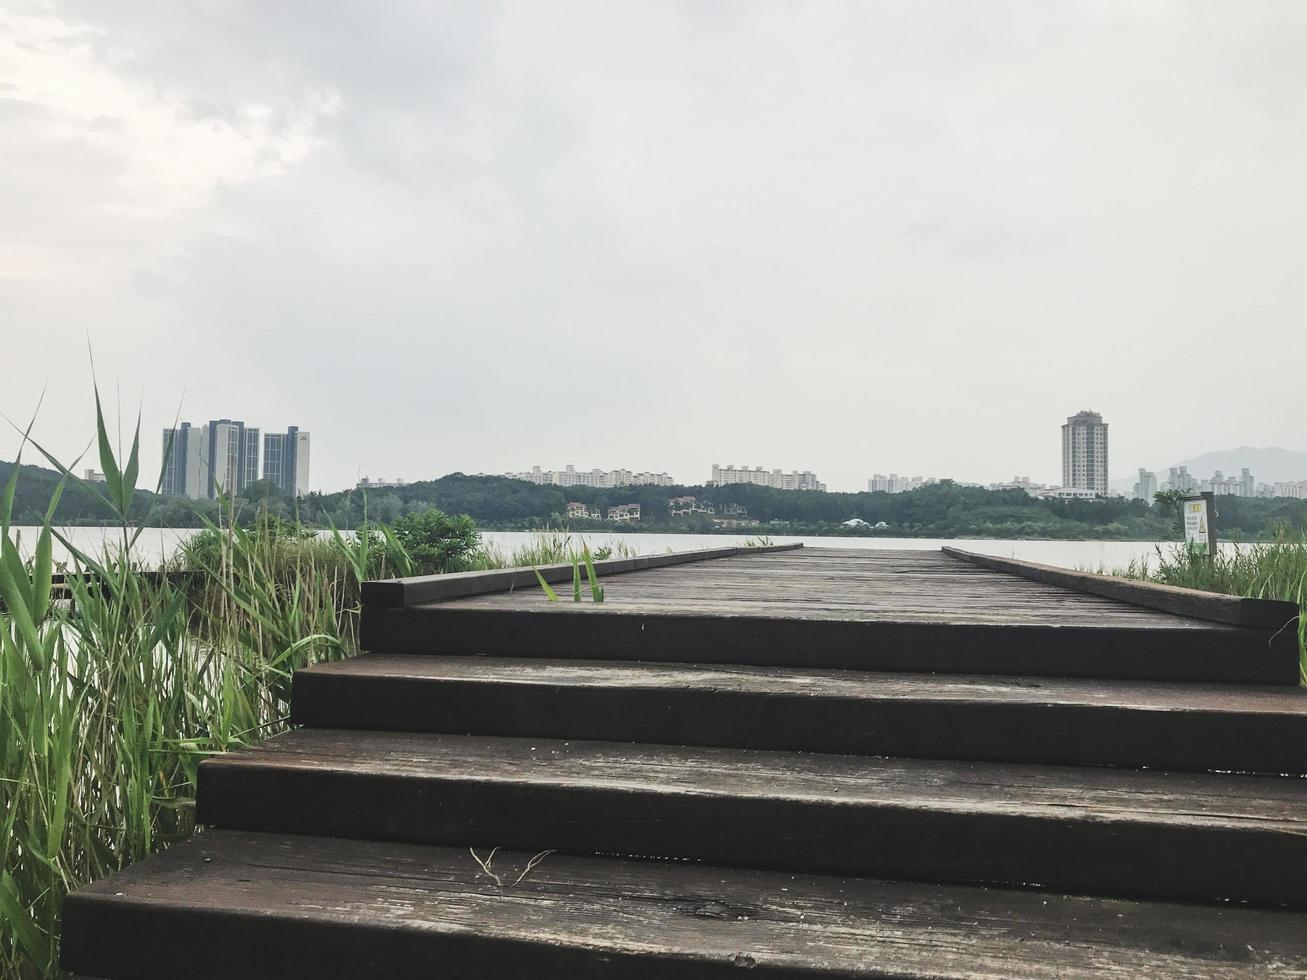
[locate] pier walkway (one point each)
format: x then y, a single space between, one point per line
813 763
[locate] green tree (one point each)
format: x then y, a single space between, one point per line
437 542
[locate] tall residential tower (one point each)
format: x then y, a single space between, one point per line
286 460
1084 453
233 457
186 462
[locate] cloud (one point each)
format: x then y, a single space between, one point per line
846 237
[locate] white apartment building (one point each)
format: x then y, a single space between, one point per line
1084 453
728 474
880 483
1145 486
1179 478
286 460
1293 488
1067 493
570 476
186 461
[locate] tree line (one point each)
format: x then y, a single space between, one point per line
944 509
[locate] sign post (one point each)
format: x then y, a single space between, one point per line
1199 513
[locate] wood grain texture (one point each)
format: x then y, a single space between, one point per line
1017 719
266 907
1091 830
834 583
400 592
608 632
1267 614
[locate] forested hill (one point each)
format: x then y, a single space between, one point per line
937 510
36 487
942 510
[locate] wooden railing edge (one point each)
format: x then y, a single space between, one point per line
396 593
1267 614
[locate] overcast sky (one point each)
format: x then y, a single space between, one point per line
846 237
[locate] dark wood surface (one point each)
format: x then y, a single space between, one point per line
1272 614
865 714
845 584
235 906
1090 830
400 592
610 632
873 610
1015 719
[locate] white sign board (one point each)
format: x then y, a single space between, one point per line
1197 523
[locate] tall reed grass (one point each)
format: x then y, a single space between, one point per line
115 685
1273 569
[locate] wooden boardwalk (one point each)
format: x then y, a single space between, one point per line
810 763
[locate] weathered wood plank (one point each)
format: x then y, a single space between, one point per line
400 592
234 906
1022 719
834 584
1168 835
1270 614
1213 653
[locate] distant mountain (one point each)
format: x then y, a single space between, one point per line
1269 465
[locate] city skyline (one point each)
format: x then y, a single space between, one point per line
570 475
225 456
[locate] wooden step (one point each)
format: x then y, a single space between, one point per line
240 906
1189 727
1168 648
1175 836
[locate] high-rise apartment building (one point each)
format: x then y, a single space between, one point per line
186 462
286 460
880 483
724 475
1180 479
570 476
233 457
1145 486
1084 453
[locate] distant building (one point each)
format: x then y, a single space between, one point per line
186 462
624 512
682 506
1084 453
578 510
1242 485
92 476
367 483
286 460
570 476
879 483
1145 486
233 457
729 474
1021 483
1068 493
1180 479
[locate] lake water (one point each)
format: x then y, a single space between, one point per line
158 544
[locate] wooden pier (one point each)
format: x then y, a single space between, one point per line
813 763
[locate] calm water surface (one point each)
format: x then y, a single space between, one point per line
157 544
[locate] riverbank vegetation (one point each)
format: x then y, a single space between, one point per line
1272 569
117 680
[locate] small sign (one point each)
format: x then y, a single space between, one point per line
1199 526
